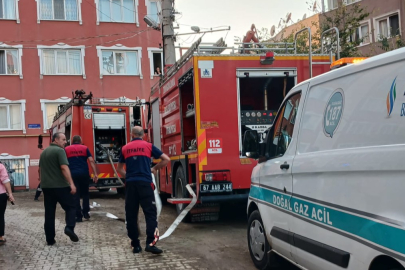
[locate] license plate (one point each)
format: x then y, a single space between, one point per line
215 187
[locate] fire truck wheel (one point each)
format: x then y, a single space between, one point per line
181 191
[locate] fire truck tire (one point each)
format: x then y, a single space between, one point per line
181 192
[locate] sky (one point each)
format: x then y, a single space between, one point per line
238 14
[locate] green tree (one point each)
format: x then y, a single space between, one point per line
347 19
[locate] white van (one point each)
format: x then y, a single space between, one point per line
329 190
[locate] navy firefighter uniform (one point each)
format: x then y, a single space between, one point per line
139 188
77 155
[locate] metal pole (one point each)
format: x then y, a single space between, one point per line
310 46
336 30
169 52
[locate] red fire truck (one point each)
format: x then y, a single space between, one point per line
104 127
203 105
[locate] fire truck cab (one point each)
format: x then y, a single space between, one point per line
201 109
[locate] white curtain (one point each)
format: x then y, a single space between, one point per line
129 11
9 9
61 62
49 62
75 63
12 61
46 9
383 26
120 62
15 116
71 10
116 10
3 117
104 11
51 110
365 34
132 63
153 11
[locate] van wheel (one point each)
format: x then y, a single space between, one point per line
257 241
181 192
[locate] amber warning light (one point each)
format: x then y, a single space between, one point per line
346 61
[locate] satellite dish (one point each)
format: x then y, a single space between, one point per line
304 17
195 29
273 30
288 17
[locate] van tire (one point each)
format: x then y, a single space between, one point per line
255 233
180 191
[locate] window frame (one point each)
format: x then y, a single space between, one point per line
280 114
44 102
8 102
119 48
79 13
151 51
136 4
7 156
386 17
159 8
59 47
370 36
17 13
19 48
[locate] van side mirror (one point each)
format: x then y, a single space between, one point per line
40 142
137 115
251 146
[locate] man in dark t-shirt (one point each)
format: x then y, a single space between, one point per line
77 155
139 187
58 187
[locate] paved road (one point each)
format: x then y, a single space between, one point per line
104 245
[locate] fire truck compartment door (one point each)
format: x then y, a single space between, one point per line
257 73
109 120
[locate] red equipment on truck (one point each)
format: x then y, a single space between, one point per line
104 126
202 106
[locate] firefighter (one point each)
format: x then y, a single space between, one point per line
139 189
58 187
77 155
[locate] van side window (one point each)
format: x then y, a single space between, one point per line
281 133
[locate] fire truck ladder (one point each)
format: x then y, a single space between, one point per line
311 63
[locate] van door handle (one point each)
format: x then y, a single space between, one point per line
285 166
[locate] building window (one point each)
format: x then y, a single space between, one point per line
60 10
153 9
9 62
117 11
18 169
120 60
10 59
388 26
361 34
62 60
50 108
8 9
156 62
12 114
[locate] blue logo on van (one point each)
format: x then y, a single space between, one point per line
333 112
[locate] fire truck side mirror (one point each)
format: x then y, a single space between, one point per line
137 115
40 142
251 144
